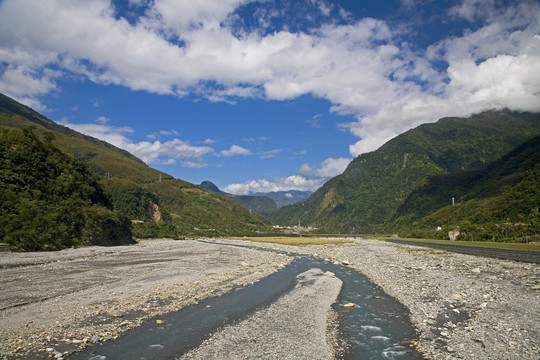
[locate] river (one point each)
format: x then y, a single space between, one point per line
376 327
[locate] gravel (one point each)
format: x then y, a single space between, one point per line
463 307
58 302
293 327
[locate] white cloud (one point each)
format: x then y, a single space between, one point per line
168 132
269 154
294 182
363 68
155 152
235 150
102 120
328 168
306 179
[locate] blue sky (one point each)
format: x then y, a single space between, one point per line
265 95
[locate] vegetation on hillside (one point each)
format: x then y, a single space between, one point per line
500 202
49 200
136 190
373 187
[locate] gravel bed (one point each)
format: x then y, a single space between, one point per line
463 306
293 327
53 303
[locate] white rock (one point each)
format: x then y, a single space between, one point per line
482 305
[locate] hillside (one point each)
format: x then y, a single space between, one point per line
260 204
488 202
171 207
375 184
50 201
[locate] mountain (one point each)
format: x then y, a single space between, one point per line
487 203
375 184
162 205
260 204
50 201
284 198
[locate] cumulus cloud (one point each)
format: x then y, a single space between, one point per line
235 150
306 179
294 182
156 152
363 67
328 168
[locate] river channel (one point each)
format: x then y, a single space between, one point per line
376 327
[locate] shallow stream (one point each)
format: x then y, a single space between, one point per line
377 327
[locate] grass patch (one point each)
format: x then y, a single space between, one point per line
500 245
298 240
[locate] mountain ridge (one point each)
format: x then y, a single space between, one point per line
485 203
260 204
370 190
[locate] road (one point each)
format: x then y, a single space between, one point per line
506 254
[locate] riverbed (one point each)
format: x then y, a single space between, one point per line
461 306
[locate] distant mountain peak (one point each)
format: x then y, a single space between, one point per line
210 186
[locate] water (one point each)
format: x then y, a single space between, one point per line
377 327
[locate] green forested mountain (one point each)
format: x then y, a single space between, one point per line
163 206
49 201
375 184
488 203
260 204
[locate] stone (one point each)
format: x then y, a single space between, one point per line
345 262
456 297
115 313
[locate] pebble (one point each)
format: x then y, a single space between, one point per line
115 313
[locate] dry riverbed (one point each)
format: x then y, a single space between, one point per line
463 307
56 302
